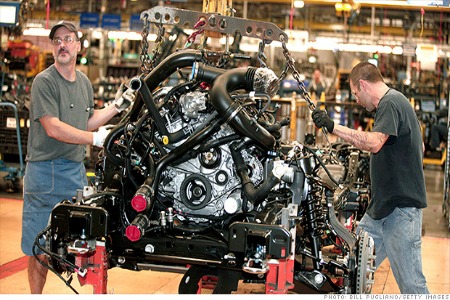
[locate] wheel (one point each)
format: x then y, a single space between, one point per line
366 264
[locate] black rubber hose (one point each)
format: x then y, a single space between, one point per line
203 72
198 138
252 194
218 142
169 65
160 73
114 134
231 110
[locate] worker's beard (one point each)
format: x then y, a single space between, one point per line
63 56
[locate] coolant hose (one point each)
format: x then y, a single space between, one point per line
114 135
171 64
159 121
160 73
231 110
252 194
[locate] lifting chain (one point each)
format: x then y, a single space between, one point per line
291 65
147 63
261 56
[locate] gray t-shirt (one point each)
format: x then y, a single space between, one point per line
397 170
71 102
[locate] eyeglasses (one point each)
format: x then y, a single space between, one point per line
67 39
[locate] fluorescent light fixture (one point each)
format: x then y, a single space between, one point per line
33 31
335 44
96 34
124 35
418 3
129 35
397 50
299 4
36 32
426 2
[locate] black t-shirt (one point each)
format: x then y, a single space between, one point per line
397 169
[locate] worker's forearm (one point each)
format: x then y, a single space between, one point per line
64 132
368 141
101 117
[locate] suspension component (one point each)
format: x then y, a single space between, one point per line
315 219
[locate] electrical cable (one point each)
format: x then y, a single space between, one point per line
322 164
52 256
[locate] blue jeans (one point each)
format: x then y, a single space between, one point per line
399 238
47 183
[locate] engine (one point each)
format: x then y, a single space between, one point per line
195 179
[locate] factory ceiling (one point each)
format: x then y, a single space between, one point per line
388 18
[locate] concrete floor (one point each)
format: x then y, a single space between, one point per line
13 273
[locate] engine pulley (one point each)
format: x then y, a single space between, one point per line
221 177
195 191
210 159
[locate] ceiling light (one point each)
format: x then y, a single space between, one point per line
299 4
36 32
312 59
347 7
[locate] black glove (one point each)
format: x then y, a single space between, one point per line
321 119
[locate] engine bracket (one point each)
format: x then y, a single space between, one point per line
215 22
244 237
76 220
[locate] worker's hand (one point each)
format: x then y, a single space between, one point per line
321 119
100 135
123 99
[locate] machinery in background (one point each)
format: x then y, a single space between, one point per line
433 114
14 103
11 127
24 58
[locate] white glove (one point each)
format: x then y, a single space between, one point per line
123 99
100 135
